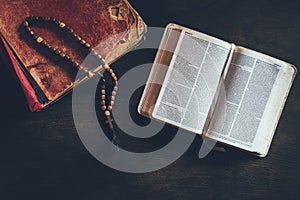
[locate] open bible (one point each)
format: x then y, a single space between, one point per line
211 87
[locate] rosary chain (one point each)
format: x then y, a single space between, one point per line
106 108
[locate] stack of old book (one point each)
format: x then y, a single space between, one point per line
111 28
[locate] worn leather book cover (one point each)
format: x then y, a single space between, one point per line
111 27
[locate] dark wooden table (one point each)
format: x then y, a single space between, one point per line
42 157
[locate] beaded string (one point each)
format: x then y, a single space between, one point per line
106 108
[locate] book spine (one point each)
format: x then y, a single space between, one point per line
10 61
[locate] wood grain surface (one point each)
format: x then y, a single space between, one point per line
42 157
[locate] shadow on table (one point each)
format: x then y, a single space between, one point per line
13 104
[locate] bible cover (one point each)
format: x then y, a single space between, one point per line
111 27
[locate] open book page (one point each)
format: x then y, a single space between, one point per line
192 80
250 105
159 69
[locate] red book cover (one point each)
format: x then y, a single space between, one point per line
111 27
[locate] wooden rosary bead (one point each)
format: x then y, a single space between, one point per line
26 23
39 39
68 59
78 38
87 45
70 30
62 55
106 67
57 51
107 113
47 45
62 25
90 74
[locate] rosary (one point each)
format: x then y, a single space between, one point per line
105 107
